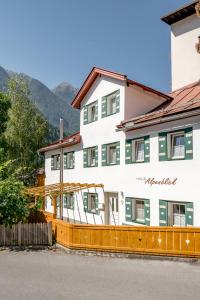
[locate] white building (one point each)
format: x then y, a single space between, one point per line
141 144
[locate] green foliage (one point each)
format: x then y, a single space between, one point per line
13 202
4 107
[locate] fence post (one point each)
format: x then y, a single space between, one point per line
19 227
49 230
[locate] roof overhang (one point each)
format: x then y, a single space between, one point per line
180 13
76 103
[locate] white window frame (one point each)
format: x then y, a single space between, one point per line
91 205
56 162
171 213
69 162
134 211
171 137
109 99
90 162
109 154
91 116
134 150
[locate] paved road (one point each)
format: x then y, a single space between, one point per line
57 275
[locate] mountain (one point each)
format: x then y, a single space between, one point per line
53 104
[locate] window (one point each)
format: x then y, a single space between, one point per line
69 160
138 150
91 157
55 162
68 201
177 145
91 205
176 216
137 210
112 154
110 104
91 112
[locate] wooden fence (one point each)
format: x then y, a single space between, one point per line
168 241
30 234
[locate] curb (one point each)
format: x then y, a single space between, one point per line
126 255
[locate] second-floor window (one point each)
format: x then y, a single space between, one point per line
177 145
55 162
138 150
111 154
69 160
90 157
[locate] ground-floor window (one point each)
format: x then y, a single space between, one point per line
68 201
138 210
176 213
90 202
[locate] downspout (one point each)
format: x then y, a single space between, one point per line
61 170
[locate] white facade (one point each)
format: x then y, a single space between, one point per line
184 56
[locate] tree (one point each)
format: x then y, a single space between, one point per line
13 202
5 105
26 131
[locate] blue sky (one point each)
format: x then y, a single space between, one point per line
61 40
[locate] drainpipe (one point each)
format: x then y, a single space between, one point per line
61 169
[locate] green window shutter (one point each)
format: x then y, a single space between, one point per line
162 140
97 203
189 214
85 201
73 202
65 161
85 158
163 211
73 160
104 155
59 162
104 107
188 143
128 152
146 149
118 101
96 110
96 156
147 211
118 153
64 201
85 115
52 162
128 209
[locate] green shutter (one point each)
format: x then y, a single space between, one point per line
65 161
163 212
104 155
188 143
128 152
118 153
189 214
147 211
59 162
117 101
65 201
162 140
85 201
97 203
128 209
52 162
85 158
104 107
96 156
96 110
85 115
146 149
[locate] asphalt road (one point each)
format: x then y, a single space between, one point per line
57 275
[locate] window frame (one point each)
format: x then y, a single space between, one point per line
67 154
108 104
67 206
170 216
134 152
90 210
133 212
57 167
170 138
108 154
89 150
89 109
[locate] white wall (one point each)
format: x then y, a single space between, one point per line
185 59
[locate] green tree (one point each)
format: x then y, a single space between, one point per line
26 131
13 202
5 105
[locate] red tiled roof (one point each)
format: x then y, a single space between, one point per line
66 142
95 72
184 99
